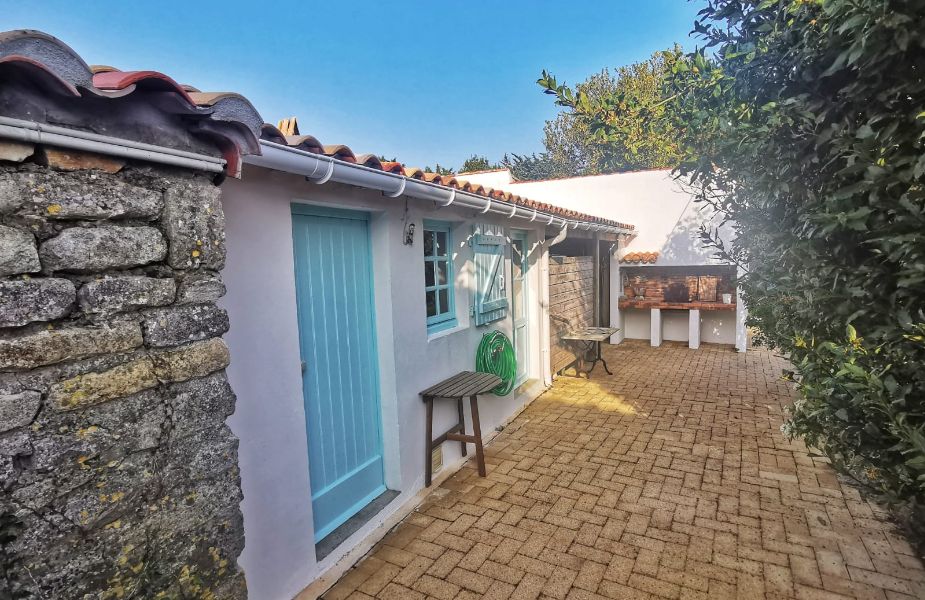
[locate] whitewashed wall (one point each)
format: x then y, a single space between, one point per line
667 221
716 326
279 555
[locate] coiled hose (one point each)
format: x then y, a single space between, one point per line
495 355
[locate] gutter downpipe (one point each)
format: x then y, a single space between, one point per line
596 257
546 327
320 168
74 139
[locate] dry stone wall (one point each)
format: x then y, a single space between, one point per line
571 303
118 475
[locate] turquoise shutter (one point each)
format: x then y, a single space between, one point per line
490 294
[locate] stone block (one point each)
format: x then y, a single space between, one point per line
18 410
15 151
185 323
198 287
17 252
24 301
200 404
65 159
49 346
117 294
86 195
94 388
103 432
82 249
205 454
194 223
195 360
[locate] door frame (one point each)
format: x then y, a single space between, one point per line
522 236
315 210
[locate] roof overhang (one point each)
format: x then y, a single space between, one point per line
319 168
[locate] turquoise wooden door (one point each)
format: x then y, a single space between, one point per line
519 304
340 381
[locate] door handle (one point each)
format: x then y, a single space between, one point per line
304 366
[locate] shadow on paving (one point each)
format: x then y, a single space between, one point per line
669 479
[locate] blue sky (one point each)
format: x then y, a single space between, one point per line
425 82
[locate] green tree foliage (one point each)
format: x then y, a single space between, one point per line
533 167
805 128
478 163
615 122
803 122
440 170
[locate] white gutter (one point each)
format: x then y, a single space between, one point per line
320 169
62 137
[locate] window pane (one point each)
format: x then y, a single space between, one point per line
428 273
444 301
428 243
441 249
441 272
431 304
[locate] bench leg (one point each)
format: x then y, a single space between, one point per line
428 445
477 433
462 423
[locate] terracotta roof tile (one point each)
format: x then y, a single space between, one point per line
340 152
370 160
310 144
225 121
272 134
640 257
149 80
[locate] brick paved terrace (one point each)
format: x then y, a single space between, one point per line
670 479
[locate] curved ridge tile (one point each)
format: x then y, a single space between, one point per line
270 133
308 143
230 106
151 80
46 77
414 173
340 152
55 55
370 160
391 166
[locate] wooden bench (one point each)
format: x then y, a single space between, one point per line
467 384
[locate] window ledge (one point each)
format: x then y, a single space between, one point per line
448 331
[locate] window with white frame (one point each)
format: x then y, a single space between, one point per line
438 276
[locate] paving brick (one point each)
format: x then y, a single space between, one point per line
559 582
438 588
669 479
471 581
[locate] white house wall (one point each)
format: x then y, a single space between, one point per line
666 218
279 554
667 221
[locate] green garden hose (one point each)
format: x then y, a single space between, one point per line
495 355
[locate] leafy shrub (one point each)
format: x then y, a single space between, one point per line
802 121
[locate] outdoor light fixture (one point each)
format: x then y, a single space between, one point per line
409 234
